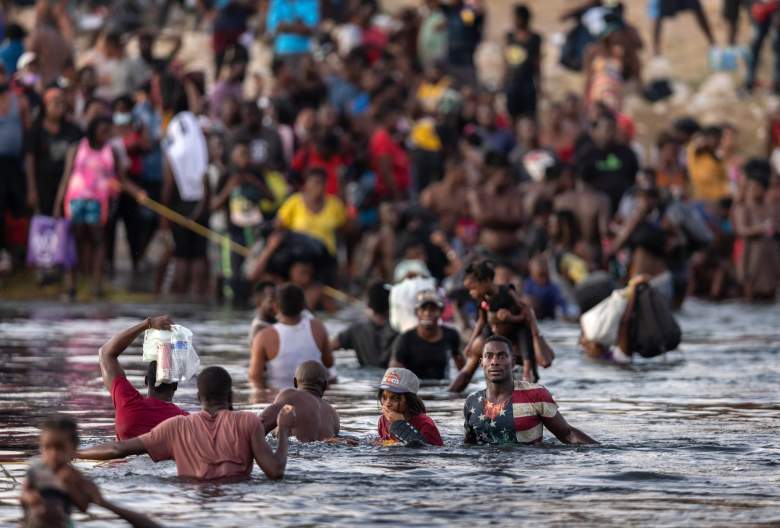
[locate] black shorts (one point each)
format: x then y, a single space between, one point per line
187 244
669 8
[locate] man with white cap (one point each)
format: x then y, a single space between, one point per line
410 277
426 349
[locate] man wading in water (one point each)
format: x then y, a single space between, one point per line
215 443
316 418
507 412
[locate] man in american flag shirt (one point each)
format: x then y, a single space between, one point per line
507 412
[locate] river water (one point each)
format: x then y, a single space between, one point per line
689 439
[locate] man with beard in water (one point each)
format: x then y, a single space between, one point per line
216 443
316 418
507 411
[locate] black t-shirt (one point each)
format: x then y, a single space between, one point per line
49 152
428 360
372 343
615 169
522 58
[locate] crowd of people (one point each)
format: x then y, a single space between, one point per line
371 159
371 145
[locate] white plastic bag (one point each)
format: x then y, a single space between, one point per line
176 357
602 322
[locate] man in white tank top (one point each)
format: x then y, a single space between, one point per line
278 350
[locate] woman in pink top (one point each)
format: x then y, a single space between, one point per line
93 177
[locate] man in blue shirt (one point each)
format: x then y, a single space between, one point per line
13 47
292 23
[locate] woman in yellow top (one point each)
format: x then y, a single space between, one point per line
312 212
707 172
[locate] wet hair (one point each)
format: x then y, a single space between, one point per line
93 127
495 338
414 404
151 380
378 298
758 170
214 385
261 286
291 300
481 270
62 424
312 374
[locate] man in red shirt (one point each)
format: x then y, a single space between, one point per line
215 443
136 414
389 160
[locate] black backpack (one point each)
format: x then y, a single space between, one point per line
653 329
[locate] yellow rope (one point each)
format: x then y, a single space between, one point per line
217 238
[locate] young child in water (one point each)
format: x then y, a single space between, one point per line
403 419
53 486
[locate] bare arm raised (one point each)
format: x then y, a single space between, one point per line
109 352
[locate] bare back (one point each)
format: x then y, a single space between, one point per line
315 419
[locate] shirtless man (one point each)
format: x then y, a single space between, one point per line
447 198
316 418
497 209
590 206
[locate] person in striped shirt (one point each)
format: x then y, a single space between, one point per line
508 412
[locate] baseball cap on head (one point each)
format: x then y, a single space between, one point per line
428 297
400 380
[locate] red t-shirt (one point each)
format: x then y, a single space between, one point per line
421 422
382 144
136 414
307 158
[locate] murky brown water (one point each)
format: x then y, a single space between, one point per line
691 439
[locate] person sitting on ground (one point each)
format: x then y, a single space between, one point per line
215 443
53 486
279 349
316 419
265 308
425 349
371 339
403 419
508 412
135 414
